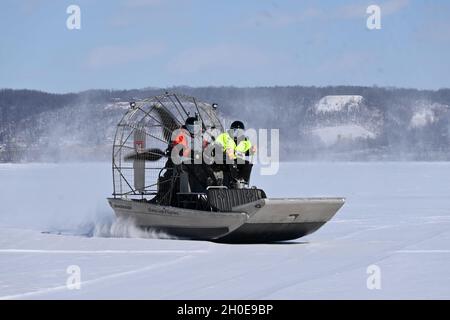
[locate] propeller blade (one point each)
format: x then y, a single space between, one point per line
170 123
148 155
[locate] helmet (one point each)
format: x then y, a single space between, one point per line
190 124
190 121
237 129
237 125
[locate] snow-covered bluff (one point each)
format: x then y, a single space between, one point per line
350 123
346 118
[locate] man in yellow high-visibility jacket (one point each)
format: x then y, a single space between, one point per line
235 145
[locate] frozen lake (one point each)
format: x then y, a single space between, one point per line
397 217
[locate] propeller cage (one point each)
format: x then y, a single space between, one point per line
142 137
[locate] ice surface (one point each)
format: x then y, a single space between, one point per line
397 216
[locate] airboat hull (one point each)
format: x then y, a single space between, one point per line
264 220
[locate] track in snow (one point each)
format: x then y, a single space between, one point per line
397 216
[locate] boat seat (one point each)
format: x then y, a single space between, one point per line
224 200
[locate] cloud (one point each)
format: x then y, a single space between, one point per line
132 12
143 12
113 55
29 7
282 19
221 56
394 6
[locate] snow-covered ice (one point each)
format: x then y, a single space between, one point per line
397 216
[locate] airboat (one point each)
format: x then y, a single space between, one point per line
159 195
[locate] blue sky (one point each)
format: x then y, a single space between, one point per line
155 43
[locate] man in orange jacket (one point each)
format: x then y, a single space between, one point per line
185 137
189 144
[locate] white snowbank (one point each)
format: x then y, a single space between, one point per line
339 103
333 134
423 118
426 113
